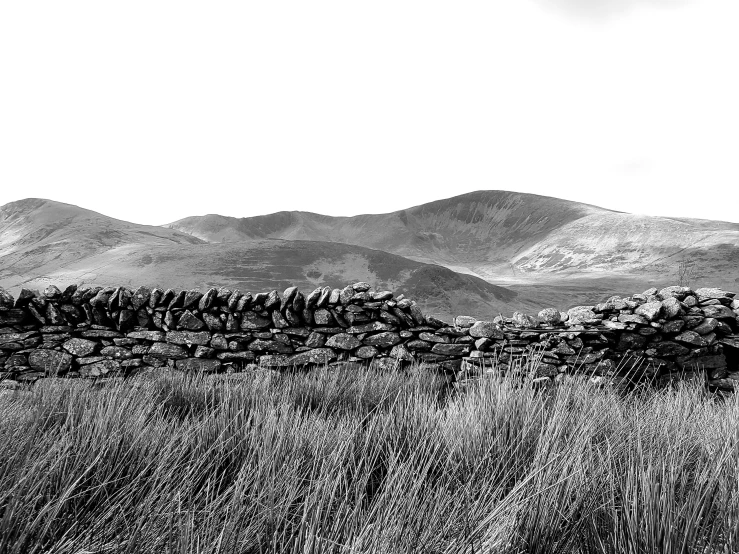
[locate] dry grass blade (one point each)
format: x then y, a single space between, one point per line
365 461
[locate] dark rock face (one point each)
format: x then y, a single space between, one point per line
669 348
191 298
631 341
450 349
190 322
690 337
251 320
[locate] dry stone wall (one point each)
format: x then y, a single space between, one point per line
659 335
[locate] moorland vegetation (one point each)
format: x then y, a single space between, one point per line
362 460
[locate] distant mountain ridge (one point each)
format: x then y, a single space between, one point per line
43 241
496 234
34 225
465 227
480 253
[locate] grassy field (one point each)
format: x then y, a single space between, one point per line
360 461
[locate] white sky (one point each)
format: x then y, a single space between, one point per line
151 111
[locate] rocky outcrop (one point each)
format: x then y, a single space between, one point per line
659 335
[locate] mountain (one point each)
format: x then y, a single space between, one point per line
514 239
43 242
481 253
475 229
37 234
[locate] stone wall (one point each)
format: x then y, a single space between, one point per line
95 332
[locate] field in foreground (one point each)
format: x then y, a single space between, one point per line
362 461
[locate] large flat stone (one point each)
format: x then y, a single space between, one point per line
451 349
100 334
709 293
199 365
260 345
315 356
164 351
117 353
386 340
80 347
236 356
487 330
343 341
156 336
98 369
188 337
50 362
718 312
16 337
372 327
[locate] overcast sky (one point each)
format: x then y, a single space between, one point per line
151 111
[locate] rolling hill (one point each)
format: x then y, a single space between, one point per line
43 242
37 234
486 228
481 253
514 239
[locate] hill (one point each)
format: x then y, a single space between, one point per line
43 241
518 240
37 234
480 228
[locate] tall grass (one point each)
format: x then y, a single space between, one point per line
345 461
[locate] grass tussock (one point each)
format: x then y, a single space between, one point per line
365 462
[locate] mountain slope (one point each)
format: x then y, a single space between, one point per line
48 242
36 233
489 225
511 236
